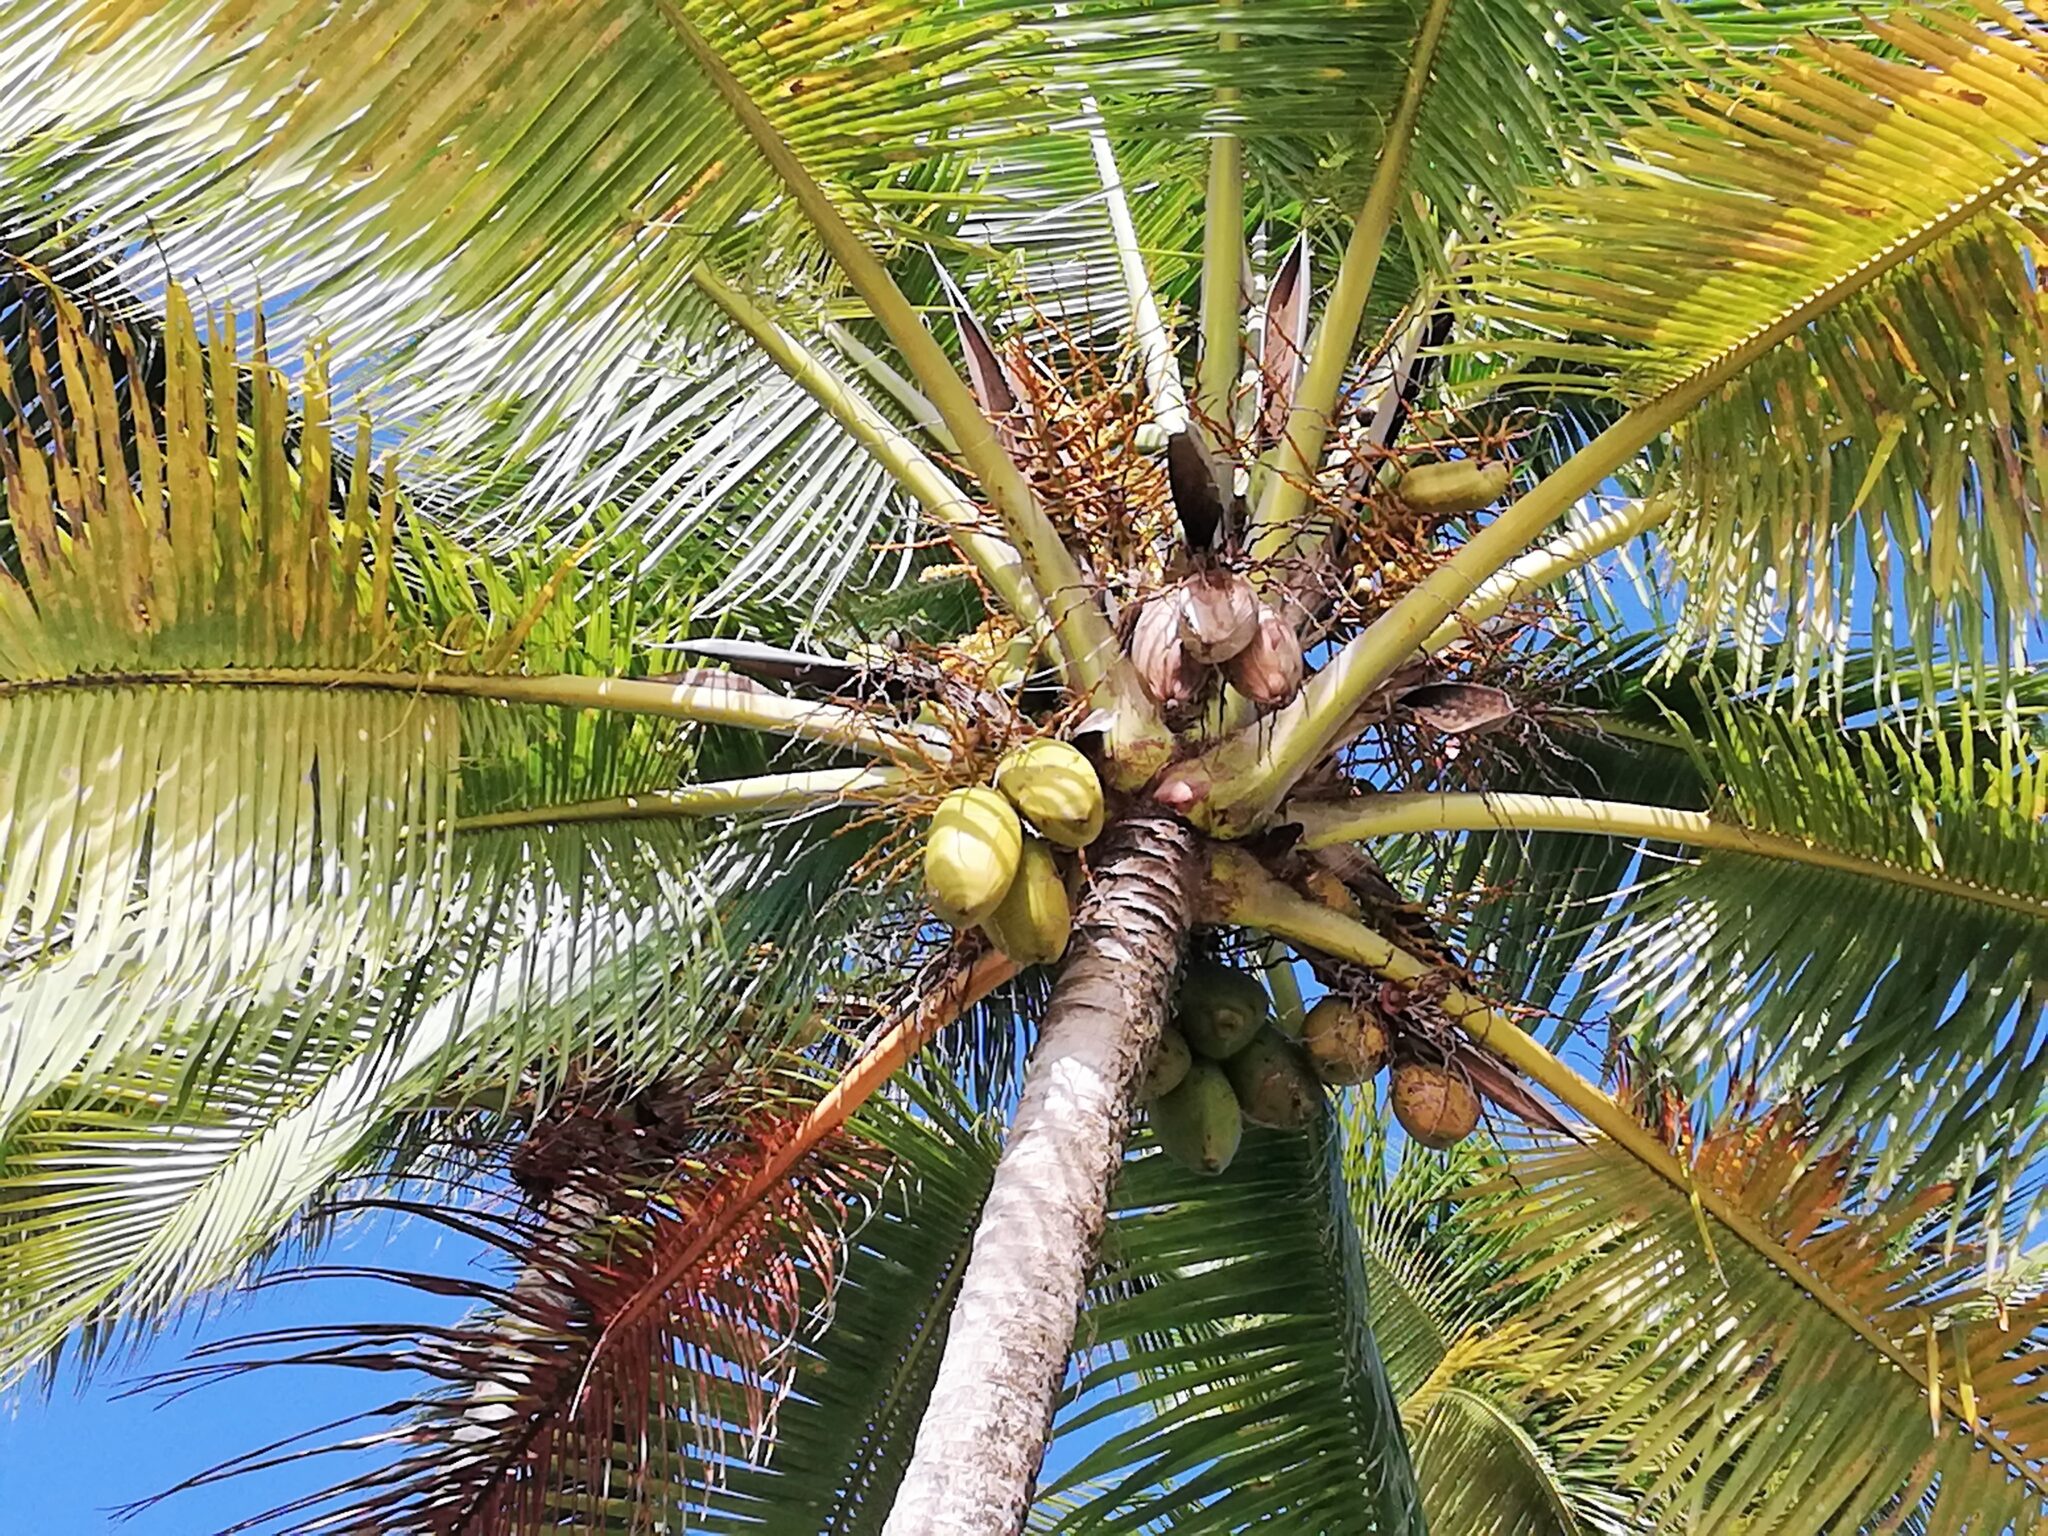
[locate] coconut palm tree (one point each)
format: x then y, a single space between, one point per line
512 813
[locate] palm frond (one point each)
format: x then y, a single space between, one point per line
1488 1404
783 1378
526 253
1233 1314
1751 1404
131 1198
233 755
1871 330
542 1408
1901 987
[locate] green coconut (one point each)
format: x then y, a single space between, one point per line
1055 789
1220 1009
971 855
1455 486
1170 1061
1273 1083
1033 922
1199 1123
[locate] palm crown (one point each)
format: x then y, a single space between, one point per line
512 815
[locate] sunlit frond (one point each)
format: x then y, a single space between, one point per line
1900 988
1763 1405
129 1198
1889 440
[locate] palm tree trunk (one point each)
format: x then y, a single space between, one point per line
986 1423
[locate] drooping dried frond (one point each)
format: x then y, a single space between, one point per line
635 1336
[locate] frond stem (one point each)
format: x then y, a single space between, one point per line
901 390
723 797
1155 344
1094 665
1243 893
1545 564
1328 823
714 698
995 558
1222 269
1292 469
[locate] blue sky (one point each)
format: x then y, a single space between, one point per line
68 1462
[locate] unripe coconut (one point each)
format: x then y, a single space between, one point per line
1055 788
1032 923
1171 1059
1268 671
1219 1009
1455 486
1434 1104
1273 1083
1199 1123
971 855
1219 615
1346 1042
1158 655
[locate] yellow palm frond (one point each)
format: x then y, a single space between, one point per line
1845 249
1764 1405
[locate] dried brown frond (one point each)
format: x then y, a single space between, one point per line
638 1323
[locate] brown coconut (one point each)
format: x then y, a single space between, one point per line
1346 1041
1434 1104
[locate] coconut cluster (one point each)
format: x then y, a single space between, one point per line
982 868
1208 621
1220 1063
1347 1042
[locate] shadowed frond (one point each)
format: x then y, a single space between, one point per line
858 1390
1232 1312
1488 1403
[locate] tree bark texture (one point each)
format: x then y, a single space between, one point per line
985 1427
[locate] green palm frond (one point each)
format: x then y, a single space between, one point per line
708 447
235 758
542 243
1899 986
128 1198
1758 1404
1484 1474
1232 1314
1889 439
